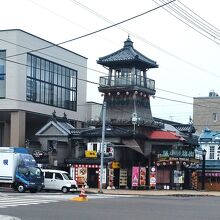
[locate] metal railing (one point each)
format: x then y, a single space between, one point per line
133 80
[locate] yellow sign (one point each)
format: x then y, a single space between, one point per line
115 165
91 153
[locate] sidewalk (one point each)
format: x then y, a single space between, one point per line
155 192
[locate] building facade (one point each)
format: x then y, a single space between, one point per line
139 152
209 141
206 112
37 78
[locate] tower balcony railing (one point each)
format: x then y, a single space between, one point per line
133 80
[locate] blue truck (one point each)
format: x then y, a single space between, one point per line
18 170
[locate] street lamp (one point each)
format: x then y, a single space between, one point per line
203 169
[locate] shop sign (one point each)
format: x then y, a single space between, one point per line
115 165
177 153
123 177
103 175
81 175
90 154
40 154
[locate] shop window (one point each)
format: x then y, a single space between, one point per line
218 153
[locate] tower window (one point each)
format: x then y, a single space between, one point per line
215 118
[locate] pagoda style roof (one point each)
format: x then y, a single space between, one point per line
127 56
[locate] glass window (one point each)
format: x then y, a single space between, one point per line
67 176
28 65
58 176
63 76
212 152
2 73
48 175
42 70
51 83
59 76
215 117
38 68
2 64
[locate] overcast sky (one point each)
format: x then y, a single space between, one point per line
188 61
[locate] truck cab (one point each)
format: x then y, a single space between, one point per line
30 178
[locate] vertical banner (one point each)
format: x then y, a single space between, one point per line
142 176
153 179
135 176
111 177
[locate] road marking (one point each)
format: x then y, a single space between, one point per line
6 202
17 199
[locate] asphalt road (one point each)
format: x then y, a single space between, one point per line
117 208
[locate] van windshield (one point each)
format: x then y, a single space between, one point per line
67 176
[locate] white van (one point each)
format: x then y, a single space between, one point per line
58 180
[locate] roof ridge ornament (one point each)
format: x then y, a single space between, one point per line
53 116
128 42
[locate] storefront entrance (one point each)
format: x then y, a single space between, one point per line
92 179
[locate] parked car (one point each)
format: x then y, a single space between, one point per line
58 180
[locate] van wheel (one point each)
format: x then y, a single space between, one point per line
21 188
65 190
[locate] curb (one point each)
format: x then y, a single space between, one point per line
155 193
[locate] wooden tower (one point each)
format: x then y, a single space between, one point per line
127 88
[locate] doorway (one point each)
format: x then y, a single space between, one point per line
92 178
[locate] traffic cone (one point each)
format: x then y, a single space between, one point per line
82 196
82 192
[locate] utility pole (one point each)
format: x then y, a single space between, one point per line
102 144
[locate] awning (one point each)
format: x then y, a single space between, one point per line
164 135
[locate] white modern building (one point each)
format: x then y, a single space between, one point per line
35 82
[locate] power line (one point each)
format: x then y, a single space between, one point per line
199 17
49 55
98 83
92 82
97 31
144 40
164 98
192 24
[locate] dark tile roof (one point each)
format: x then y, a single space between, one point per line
185 128
109 132
127 55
